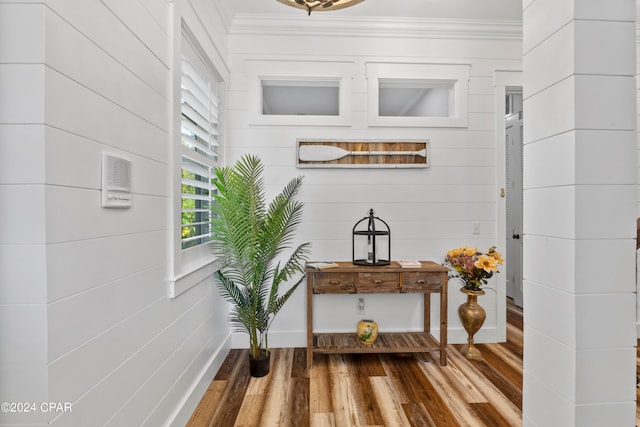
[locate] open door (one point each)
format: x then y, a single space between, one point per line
513 256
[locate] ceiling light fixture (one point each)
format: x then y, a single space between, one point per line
319 5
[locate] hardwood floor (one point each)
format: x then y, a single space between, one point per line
371 390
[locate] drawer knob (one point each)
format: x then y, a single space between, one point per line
377 281
421 281
334 282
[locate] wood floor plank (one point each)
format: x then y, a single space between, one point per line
230 364
275 405
208 404
463 386
250 411
252 407
391 410
420 389
514 348
394 378
323 419
489 415
417 415
319 387
368 364
449 393
299 367
237 377
361 387
509 410
498 382
506 356
514 315
342 398
297 413
515 334
258 386
499 359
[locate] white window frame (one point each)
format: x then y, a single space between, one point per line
189 267
454 75
298 72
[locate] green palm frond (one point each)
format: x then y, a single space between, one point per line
250 236
275 301
230 291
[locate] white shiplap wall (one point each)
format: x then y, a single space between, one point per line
581 310
429 210
84 312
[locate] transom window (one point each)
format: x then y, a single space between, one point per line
301 98
415 98
420 95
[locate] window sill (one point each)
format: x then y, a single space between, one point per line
195 275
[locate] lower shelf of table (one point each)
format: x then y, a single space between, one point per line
397 342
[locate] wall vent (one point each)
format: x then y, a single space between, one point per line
116 181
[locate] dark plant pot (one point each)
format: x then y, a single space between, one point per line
259 367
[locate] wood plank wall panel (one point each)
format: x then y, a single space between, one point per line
20 22
23 297
100 331
128 251
26 82
103 74
69 107
94 20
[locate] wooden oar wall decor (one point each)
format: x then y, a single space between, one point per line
313 153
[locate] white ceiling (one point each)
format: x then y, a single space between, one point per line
508 10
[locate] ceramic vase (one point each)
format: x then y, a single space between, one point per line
367 331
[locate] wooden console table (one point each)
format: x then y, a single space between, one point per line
348 278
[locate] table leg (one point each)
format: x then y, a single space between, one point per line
427 312
309 321
443 322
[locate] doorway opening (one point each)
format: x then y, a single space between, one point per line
514 126
506 84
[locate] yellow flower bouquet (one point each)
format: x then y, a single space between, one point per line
473 267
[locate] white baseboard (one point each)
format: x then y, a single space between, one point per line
200 385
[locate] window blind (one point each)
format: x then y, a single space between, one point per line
198 152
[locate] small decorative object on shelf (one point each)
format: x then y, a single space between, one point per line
367 331
474 269
371 245
409 264
322 265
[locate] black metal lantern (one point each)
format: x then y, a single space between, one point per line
371 241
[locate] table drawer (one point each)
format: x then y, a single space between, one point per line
334 283
378 282
418 281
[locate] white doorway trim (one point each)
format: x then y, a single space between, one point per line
502 79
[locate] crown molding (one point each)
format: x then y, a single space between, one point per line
253 24
226 14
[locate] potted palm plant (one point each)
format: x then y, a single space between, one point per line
251 237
